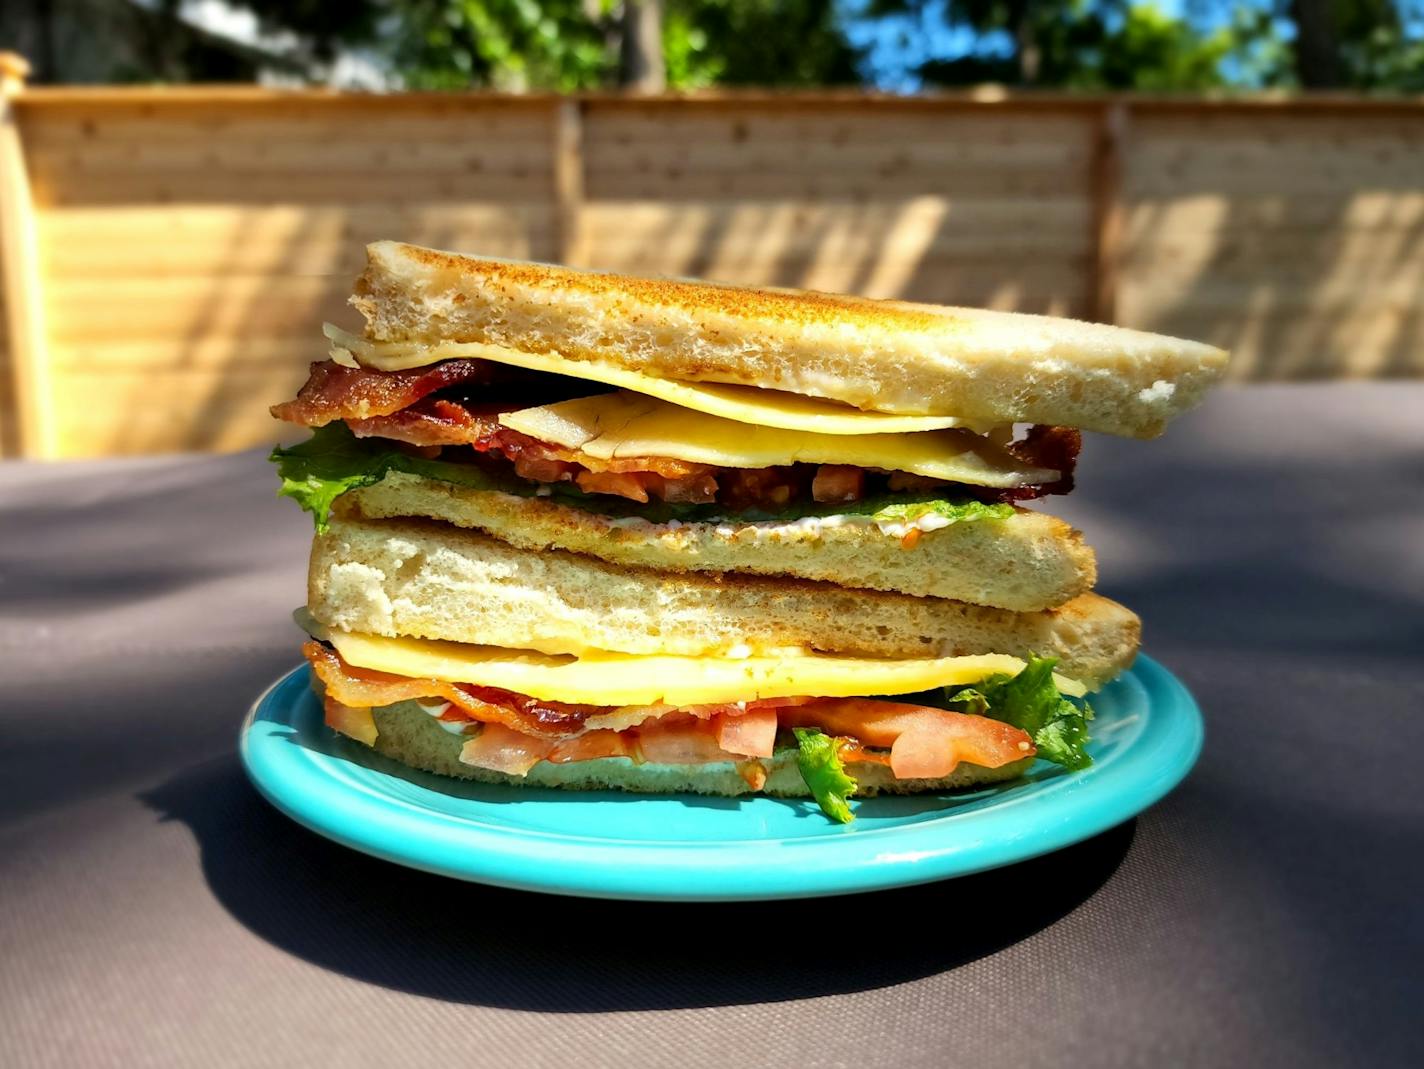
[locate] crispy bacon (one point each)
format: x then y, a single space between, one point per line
334 391
438 422
362 687
398 405
430 421
519 731
1055 448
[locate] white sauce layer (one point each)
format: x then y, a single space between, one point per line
808 527
435 709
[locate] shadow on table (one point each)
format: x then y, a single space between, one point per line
440 938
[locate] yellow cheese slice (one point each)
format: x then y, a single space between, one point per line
627 679
745 404
620 425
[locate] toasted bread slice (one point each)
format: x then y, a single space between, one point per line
1026 562
412 737
432 580
889 356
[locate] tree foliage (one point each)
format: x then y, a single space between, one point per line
756 42
1074 44
572 44
506 44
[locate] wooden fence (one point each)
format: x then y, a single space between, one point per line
169 255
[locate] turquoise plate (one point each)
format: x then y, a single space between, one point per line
609 844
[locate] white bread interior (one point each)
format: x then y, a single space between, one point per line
995 367
431 580
1027 562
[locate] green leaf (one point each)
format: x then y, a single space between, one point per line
1030 701
953 511
969 700
818 757
1061 741
333 461
321 469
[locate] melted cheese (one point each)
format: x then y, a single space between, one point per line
625 679
619 425
744 404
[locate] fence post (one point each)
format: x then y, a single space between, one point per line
27 427
568 181
1108 212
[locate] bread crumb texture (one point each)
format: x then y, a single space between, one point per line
1027 562
432 580
890 356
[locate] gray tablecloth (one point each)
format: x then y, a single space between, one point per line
155 911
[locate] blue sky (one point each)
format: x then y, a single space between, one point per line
897 46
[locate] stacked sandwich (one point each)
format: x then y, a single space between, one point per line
590 531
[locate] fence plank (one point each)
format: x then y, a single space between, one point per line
1108 214
1298 239
25 394
187 243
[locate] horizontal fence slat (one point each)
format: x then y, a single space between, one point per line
675 184
256 156
1210 214
225 240
192 241
58 187
831 125
172 409
397 121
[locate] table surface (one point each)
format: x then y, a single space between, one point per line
157 912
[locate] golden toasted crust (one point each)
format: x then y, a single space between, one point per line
1027 562
991 367
802 307
431 580
407 735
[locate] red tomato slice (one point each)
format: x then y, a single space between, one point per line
590 746
353 721
501 749
679 740
751 734
934 740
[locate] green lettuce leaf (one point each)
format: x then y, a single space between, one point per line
818 757
1030 700
1061 740
333 461
953 511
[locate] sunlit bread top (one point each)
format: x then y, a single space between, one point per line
889 356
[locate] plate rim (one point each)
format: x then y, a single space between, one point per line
302 784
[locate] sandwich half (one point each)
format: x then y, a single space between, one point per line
586 530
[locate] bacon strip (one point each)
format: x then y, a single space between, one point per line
333 391
430 421
521 731
437 422
362 687
398 406
1055 448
